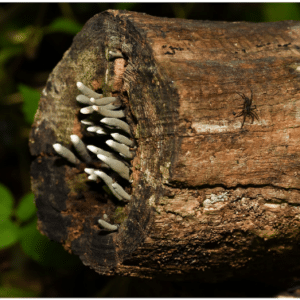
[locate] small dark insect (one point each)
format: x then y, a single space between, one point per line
247 109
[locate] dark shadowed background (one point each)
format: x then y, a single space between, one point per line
33 39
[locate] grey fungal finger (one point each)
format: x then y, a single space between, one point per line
112 106
92 177
116 123
109 113
86 91
113 55
108 226
116 165
80 148
84 99
87 122
101 131
122 139
103 101
108 181
121 148
66 153
121 191
94 128
97 151
87 110
89 171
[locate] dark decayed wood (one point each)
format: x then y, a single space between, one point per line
211 199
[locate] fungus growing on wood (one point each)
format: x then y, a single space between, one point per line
107 226
109 113
116 123
65 153
80 148
116 165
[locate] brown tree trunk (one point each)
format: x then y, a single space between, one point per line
212 197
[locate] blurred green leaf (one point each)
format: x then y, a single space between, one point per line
280 11
33 243
9 233
9 52
44 251
12 292
33 41
6 204
26 208
64 25
31 99
127 6
20 35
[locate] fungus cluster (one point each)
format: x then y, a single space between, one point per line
105 118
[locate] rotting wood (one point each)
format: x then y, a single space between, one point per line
211 200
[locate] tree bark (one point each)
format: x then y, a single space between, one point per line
212 199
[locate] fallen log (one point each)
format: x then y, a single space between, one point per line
213 111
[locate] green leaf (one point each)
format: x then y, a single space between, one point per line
64 25
9 52
127 6
26 208
32 242
31 99
9 233
6 204
280 11
44 251
20 35
12 292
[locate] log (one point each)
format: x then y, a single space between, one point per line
214 115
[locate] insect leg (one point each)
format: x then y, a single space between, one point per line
255 115
243 120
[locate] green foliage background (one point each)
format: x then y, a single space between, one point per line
33 38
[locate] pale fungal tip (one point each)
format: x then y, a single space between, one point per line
92 128
83 99
79 84
93 177
113 54
107 226
65 153
87 110
121 148
89 171
80 148
57 147
101 131
103 101
98 151
87 122
93 149
109 142
74 138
